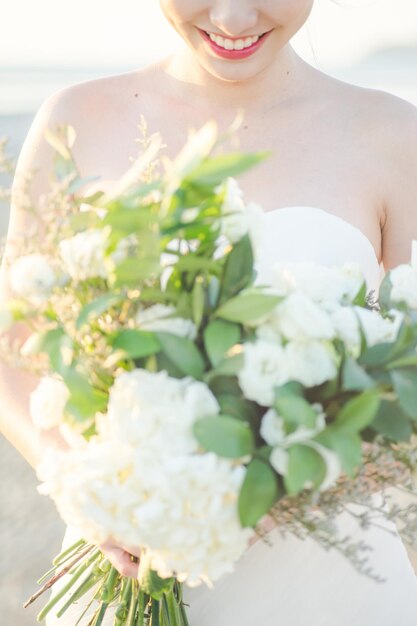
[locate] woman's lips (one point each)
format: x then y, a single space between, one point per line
234 54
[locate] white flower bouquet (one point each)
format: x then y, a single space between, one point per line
194 400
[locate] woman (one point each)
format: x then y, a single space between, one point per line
339 187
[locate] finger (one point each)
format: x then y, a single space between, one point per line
121 560
132 549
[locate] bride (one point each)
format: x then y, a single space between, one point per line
339 187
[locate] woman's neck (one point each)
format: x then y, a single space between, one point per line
281 81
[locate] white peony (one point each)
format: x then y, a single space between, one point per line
298 317
33 277
84 256
156 411
182 509
311 362
265 367
404 285
47 402
161 317
378 329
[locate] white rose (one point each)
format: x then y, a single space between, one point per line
298 317
378 329
33 277
319 282
311 362
161 317
265 367
346 325
404 285
47 403
84 254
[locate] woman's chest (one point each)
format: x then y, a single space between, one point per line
310 163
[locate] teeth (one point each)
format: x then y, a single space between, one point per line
237 44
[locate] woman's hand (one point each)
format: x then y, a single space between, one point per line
120 557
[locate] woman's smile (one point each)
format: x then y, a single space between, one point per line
235 48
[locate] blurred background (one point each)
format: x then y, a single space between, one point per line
47 45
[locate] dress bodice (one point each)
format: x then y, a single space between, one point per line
305 233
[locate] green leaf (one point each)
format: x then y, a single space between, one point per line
347 446
215 170
132 271
358 413
228 367
295 410
354 377
219 337
84 400
305 466
258 493
391 422
239 408
136 343
183 353
58 346
149 581
238 269
405 385
384 294
409 360
376 355
97 307
224 435
360 298
247 308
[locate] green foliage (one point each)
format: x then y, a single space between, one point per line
149 581
224 435
238 270
258 493
404 381
306 468
136 344
183 353
219 337
358 412
248 307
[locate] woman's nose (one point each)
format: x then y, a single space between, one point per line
234 17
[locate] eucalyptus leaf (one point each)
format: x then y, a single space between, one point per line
219 337
391 422
238 269
224 435
136 343
296 410
258 493
358 412
183 353
132 271
247 308
347 446
306 468
405 385
355 377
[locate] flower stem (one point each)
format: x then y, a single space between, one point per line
72 548
68 586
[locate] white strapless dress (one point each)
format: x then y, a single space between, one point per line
294 582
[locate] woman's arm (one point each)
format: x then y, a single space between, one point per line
399 155
36 158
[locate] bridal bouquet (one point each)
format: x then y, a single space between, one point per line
195 399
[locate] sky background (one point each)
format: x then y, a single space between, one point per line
129 32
